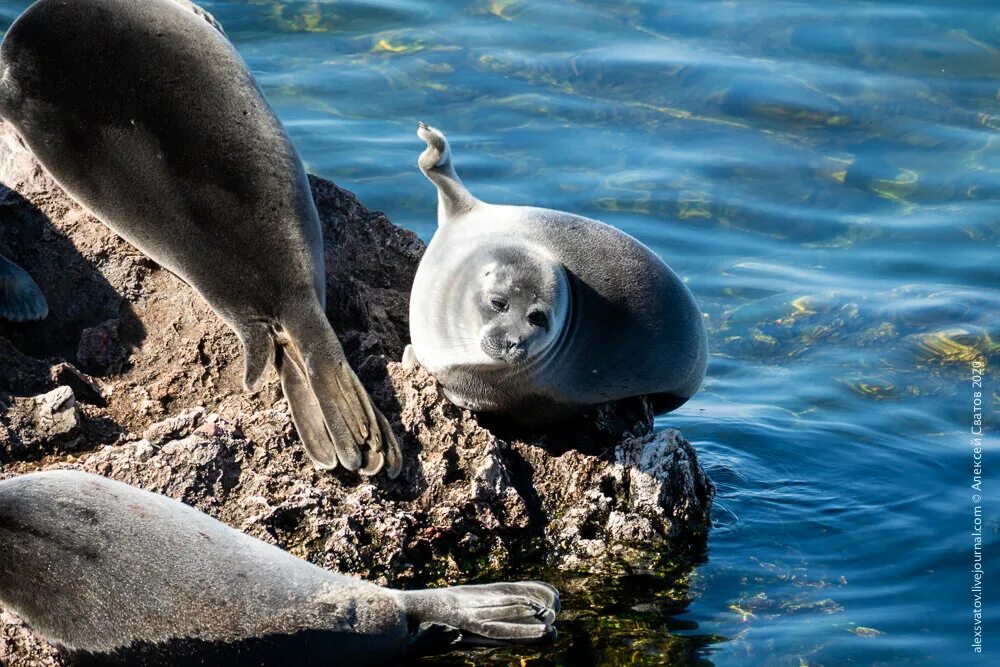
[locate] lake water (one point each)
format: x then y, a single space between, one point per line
826 177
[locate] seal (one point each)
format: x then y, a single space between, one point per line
116 575
147 116
21 300
537 314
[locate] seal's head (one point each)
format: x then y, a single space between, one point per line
521 303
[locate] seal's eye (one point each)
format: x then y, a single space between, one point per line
499 305
537 318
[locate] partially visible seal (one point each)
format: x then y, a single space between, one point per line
537 314
116 575
20 298
146 115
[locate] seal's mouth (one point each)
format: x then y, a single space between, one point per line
506 351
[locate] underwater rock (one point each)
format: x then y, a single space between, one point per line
474 499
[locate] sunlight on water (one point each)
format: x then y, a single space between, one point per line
826 178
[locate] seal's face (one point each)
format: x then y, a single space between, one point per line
521 305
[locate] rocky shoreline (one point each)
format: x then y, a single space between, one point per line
133 377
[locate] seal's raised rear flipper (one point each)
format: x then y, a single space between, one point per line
20 298
331 409
435 162
481 615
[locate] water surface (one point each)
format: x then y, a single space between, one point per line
825 176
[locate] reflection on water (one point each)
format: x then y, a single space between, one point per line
826 177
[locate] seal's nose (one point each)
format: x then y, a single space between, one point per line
514 349
505 348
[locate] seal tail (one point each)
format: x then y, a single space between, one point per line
481 615
21 300
453 198
331 410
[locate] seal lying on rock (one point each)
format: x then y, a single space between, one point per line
537 314
116 575
146 115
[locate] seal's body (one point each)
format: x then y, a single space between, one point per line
537 314
146 115
116 575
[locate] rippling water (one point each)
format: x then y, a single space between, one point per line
826 177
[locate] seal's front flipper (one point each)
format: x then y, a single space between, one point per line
21 299
409 357
482 615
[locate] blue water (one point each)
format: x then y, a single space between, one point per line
826 177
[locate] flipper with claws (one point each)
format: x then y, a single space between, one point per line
481 615
333 413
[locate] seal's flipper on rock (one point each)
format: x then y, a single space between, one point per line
326 397
435 162
483 615
393 452
21 300
258 352
306 415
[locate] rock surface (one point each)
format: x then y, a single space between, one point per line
132 376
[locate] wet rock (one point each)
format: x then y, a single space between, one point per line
475 497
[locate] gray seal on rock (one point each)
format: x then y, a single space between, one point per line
113 574
148 117
537 314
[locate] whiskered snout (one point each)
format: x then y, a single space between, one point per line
505 349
